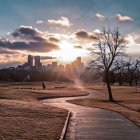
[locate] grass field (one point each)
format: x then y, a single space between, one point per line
22 116
127 101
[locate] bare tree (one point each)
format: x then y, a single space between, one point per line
109 44
132 68
119 68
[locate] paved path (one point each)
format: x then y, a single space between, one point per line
95 124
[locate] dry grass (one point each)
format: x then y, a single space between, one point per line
30 120
33 91
23 117
127 101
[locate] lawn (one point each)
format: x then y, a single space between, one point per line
127 101
22 116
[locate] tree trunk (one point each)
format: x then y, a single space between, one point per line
131 80
108 86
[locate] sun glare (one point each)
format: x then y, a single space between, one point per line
67 52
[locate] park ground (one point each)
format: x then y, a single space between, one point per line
127 100
22 116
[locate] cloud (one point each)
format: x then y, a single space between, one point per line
30 39
28 33
97 31
7 51
78 47
63 21
9 64
123 19
28 46
52 39
85 36
39 22
136 37
47 57
7 60
133 38
100 17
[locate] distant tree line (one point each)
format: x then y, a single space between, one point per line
125 71
23 75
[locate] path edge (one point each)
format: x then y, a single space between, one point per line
63 133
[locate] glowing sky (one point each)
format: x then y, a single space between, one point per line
61 30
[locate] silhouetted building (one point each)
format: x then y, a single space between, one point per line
68 68
78 66
54 66
61 68
30 60
49 67
78 59
38 64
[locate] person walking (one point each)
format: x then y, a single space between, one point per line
43 85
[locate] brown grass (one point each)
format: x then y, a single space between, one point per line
127 101
28 120
23 117
33 91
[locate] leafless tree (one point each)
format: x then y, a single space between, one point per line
119 68
132 69
109 44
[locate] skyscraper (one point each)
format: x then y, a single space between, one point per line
38 65
30 60
54 66
78 66
78 59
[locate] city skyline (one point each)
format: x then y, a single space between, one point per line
61 30
35 63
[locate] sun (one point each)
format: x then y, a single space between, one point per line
67 52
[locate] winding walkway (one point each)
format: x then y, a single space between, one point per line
95 124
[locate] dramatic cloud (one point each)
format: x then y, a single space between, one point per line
122 18
30 39
29 46
100 17
28 33
63 21
78 47
85 36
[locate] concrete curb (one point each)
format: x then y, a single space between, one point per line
63 133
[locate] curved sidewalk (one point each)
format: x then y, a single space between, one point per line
95 124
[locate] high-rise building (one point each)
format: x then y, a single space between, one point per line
78 59
30 60
38 64
61 68
78 66
54 66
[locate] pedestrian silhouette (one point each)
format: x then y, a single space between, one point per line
43 85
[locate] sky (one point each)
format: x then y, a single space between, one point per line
61 30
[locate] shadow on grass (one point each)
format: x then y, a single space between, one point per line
4 98
118 103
